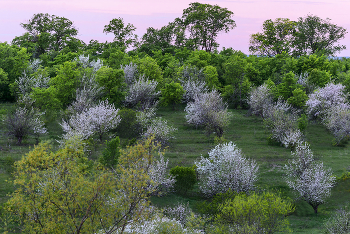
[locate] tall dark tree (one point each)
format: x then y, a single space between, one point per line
316 35
277 37
204 22
45 33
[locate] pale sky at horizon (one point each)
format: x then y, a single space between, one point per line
90 16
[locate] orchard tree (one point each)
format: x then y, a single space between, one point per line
226 169
277 37
123 34
316 35
204 22
208 110
308 178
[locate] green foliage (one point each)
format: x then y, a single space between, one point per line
123 35
172 94
116 58
149 67
111 153
185 177
46 100
319 78
3 82
298 98
198 58
286 88
66 82
113 82
264 212
303 122
128 127
211 77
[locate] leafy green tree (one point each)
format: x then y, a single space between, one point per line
316 35
113 82
277 37
319 78
211 77
123 34
298 98
149 67
204 22
172 94
286 88
45 33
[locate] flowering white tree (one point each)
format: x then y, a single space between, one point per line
130 73
259 99
309 179
161 131
96 120
225 169
26 82
84 61
193 88
142 94
282 121
337 120
324 98
24 122
208 110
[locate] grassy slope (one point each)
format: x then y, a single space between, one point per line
248 133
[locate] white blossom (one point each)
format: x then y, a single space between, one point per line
193 88
259 99
226 169
96 120
208 110
324 98
130 73
142 94
27 82
84 62
337 121
308 178
24 122
160 129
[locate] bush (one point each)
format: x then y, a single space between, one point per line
256 213
337 121
111 153
226 169
259 98
185 178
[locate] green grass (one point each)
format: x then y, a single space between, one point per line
249 134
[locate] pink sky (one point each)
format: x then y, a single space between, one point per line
90 16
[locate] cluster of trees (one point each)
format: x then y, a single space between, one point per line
98 89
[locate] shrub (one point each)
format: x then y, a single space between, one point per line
226 169
256 213
337 121
185 178
172 94
161 131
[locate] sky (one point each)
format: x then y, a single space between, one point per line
90 16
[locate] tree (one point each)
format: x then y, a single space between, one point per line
316 35
65 192
226 169
3 82
172 94
208 110
123 34
308 178
47 32
204 22
277 37
98 120
23 122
